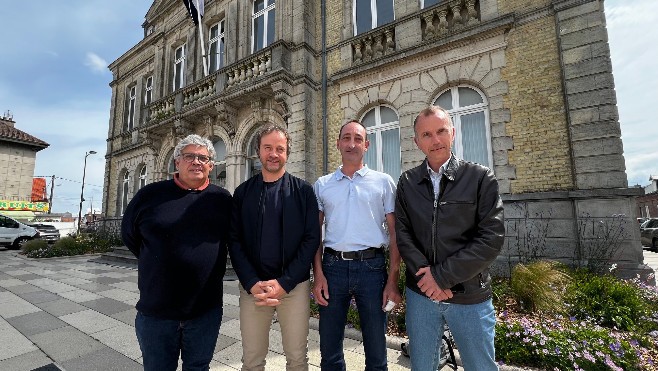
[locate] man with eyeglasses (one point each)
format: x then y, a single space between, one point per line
178 229
274 236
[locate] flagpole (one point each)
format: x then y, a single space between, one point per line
203 42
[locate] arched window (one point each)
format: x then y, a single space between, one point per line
383 128
142 177
216 46
123 196
171 168
253 162
469 112
218 173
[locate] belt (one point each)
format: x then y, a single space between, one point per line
355 255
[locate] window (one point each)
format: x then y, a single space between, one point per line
427 3
179 67
218 173
216 47
369 14
383 128
262 24
253 162
171 168
130 118
142 177
468 110
123 197
148 91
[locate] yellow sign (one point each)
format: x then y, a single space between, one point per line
23 206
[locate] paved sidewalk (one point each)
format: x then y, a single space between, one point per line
79 315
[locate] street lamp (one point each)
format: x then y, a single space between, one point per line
82 192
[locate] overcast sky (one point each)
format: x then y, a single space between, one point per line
54 79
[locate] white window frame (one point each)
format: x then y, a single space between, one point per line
373 12
422 4
457 113
148 90
125 186
217 61
179 81
269 6
143 172
132 100
375 134
251 158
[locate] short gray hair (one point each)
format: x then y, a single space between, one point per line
195 140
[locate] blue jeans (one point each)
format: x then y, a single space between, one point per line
472 326
365 281
162 340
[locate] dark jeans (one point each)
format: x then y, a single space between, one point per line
365 281
162 340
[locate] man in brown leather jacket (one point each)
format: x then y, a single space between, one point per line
449 227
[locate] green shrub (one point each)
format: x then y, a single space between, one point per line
69 246
608 301
539 286
33 245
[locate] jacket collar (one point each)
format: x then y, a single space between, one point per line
449 172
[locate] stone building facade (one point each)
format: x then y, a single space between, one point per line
529 86
18 152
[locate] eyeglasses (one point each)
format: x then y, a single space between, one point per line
190 157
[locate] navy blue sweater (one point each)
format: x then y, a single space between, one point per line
179 237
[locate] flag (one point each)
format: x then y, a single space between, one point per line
195 9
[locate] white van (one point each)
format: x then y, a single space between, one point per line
14 234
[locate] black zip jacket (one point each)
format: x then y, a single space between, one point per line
300 232
458 235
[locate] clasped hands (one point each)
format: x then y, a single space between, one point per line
430 288
268 293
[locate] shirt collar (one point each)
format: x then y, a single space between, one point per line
442 169
183 186
339 172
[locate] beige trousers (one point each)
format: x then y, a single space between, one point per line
293 314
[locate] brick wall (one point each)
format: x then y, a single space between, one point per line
538 125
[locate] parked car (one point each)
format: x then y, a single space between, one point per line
48 232
649 233
14 234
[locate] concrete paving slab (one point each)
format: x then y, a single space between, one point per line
121 338
9 282
102 360
39 296
74 280
13 343
90 321
230 312
25 288
231 300
94 287
231 355
40 282
59 288
231 329
17 272
79 295
224 342
106 306
61 307
28 361
119 294
106 280
36 323
12 305
127 316
128 286
77 343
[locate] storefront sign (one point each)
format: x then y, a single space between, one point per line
23 206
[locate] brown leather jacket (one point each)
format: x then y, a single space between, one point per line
458 235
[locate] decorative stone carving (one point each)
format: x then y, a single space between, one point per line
181 128
151 140
227 117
